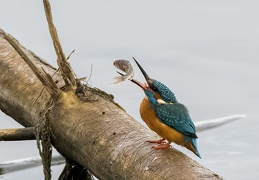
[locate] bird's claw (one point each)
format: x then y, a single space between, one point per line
163 143
160 141
163 146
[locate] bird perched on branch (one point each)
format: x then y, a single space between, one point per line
163 114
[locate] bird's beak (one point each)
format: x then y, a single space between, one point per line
142 85
143 72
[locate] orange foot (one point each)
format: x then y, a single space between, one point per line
163 146
160 141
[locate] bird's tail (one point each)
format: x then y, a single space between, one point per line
192 146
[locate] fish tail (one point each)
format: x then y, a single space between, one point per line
192 146
119 79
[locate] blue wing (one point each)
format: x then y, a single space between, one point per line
176 116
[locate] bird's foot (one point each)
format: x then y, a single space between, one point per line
163 146
160 141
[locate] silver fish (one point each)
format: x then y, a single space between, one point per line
125 66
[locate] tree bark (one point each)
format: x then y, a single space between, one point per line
93 132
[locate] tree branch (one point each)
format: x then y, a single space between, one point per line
42 75
74 171
18 134
65 67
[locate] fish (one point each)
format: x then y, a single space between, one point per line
125 66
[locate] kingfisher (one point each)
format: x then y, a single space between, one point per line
164 115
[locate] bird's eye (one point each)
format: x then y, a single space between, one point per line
154 88
151 85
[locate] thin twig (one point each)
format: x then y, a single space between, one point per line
70 54
91 72
66 59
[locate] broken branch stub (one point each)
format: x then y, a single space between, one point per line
43 76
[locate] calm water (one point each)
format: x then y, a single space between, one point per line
205 51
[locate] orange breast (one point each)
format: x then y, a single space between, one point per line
149 117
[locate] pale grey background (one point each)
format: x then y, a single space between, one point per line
205 51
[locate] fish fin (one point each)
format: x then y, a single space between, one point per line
119 79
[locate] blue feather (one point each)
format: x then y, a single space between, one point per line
166 94
194 143
174 115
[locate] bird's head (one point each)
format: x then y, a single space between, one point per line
160 90
151 95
